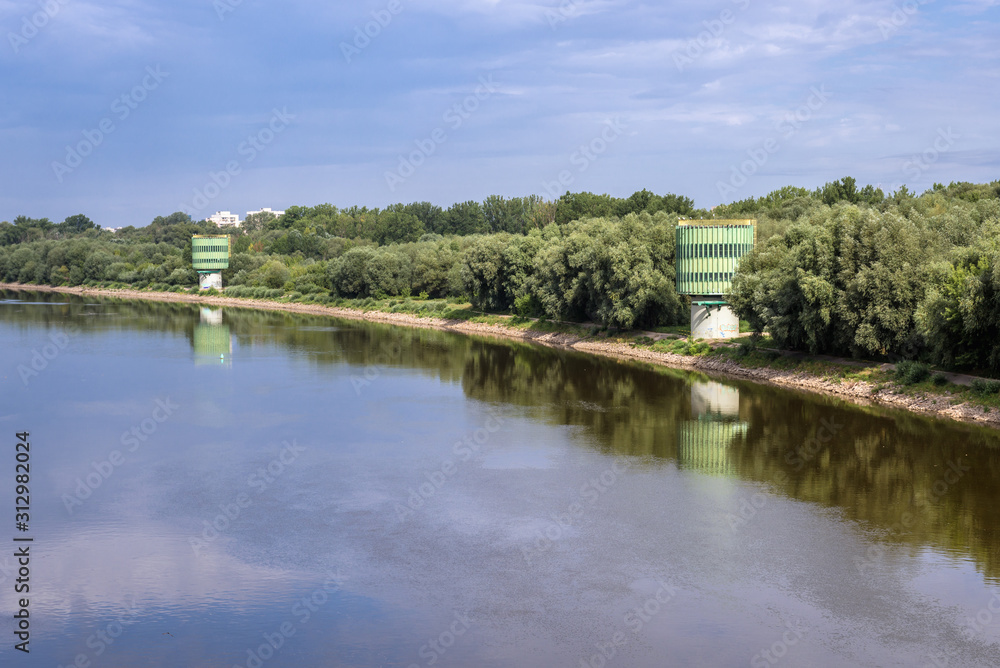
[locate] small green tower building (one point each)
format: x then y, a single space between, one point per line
708 252
210 255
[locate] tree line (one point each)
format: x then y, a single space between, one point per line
841 269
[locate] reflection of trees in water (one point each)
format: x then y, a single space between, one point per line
109 315
623 411
889 470
882 468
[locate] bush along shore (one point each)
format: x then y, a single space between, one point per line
912 386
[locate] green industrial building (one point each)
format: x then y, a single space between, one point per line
708 253
210 255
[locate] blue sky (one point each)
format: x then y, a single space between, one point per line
124 110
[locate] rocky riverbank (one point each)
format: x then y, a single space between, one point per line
860 392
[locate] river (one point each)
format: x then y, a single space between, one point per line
229 487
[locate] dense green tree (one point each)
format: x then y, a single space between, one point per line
463 218
77 224
256 222
616 273
848 281
394 225
274 274
430 215
960 314
497 269
367 272
846 190
576 206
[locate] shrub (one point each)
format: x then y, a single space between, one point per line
274 274
702 348
528 306
681 347
982 388
909 372
748 345
939 379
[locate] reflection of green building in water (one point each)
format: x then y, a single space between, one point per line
213 342
704 441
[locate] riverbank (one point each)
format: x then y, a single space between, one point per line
860 383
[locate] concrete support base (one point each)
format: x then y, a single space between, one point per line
213 280
713 322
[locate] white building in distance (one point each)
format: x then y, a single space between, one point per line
277 214
224 219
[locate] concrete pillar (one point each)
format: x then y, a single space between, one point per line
713 321
212 280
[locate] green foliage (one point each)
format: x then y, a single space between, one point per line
970 192
909 372
528 306
682 347
578 206
959 316
367 271
845 281
846 190
619 274
462 218
939 379
984 388
274 274
256 222
77 224
748 345
749 207
393 225
496 269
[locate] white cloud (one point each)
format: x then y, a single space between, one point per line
510 13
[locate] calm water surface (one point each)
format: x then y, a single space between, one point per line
236 488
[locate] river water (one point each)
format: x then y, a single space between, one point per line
225 487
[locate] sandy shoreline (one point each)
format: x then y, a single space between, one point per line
858 392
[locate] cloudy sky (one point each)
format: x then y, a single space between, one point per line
127 109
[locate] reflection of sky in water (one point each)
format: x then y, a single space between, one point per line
485 540
127 544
